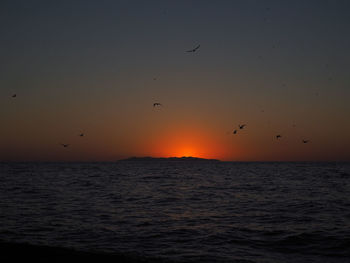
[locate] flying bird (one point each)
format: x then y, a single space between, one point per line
241 126
64 145
157 104
235 131
278 136
14 95
305 141
193 50
81 134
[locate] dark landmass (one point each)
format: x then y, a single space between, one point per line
182 159
21 252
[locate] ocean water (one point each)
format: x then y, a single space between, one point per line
181 210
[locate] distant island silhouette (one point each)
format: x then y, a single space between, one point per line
182 159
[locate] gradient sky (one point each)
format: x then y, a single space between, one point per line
89 66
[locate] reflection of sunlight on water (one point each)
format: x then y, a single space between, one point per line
188 213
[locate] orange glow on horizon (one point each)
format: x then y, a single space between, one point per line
189 143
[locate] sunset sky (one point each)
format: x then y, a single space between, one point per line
97 67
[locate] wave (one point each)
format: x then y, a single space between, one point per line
13 252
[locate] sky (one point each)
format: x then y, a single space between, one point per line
97 67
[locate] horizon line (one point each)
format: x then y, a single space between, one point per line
204 159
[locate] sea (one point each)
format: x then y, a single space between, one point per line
182 211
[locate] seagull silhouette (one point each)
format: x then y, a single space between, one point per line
278 136
81 134
157 104
14 95
305 141
241 126
235 131
64 145
193 50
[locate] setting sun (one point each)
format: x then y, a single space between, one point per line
189 142
187 152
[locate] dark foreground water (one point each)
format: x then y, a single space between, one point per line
183 211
